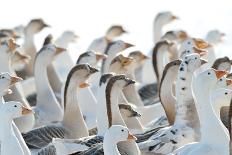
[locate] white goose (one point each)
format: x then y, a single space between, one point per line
9 141
115 134
160 21
223 63
7 51
47 109
32 28
214 141
186 125
59 68
73 124
100 44
213 37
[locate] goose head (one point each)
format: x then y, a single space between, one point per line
192 49
139 58
91 57
81 72
13 109
128 111
119 133
117 46
209 77
115 31
222 64
69 36
120 81
175 36
105 78
7 80
49 50
9 33
221 96
193 62
35 26
214 36
164 18
120 64
194 42
8 46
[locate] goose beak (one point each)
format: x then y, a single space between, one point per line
130 82
100 56
200 52
174 17
46 25
201 44
144 57
15 79
228 82
83 85
126 61
26 111
183 35
131 137
93 70
12 45
59 50
220 73
127 45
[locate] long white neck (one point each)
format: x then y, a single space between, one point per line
102 119
62 42
157 31
6 129
131 147
73 118
110 146
45 96
161 62
167 98
212 132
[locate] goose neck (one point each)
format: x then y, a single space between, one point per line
110 146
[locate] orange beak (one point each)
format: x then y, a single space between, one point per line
126 61
183 35
12 45
83 85
200 52
131 137
144 57
127 45
100 56
201 44
175 17
15 79
228 82
220 73
59 50
26 111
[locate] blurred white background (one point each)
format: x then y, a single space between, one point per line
91 18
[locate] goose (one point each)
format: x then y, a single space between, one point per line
9 33
113 88
111 51
7 50
32 28
161 19
6 81
19 60
9 141
100 44
213 37
176 36
221 98
59 68
115 134
186 124
223 63
46 113
214 141
86 97
73 124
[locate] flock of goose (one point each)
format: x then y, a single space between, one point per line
175 100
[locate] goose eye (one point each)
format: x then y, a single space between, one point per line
15 105
189 43
208 73
188 51
226 93
122 130
2 77
195 58
220 79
